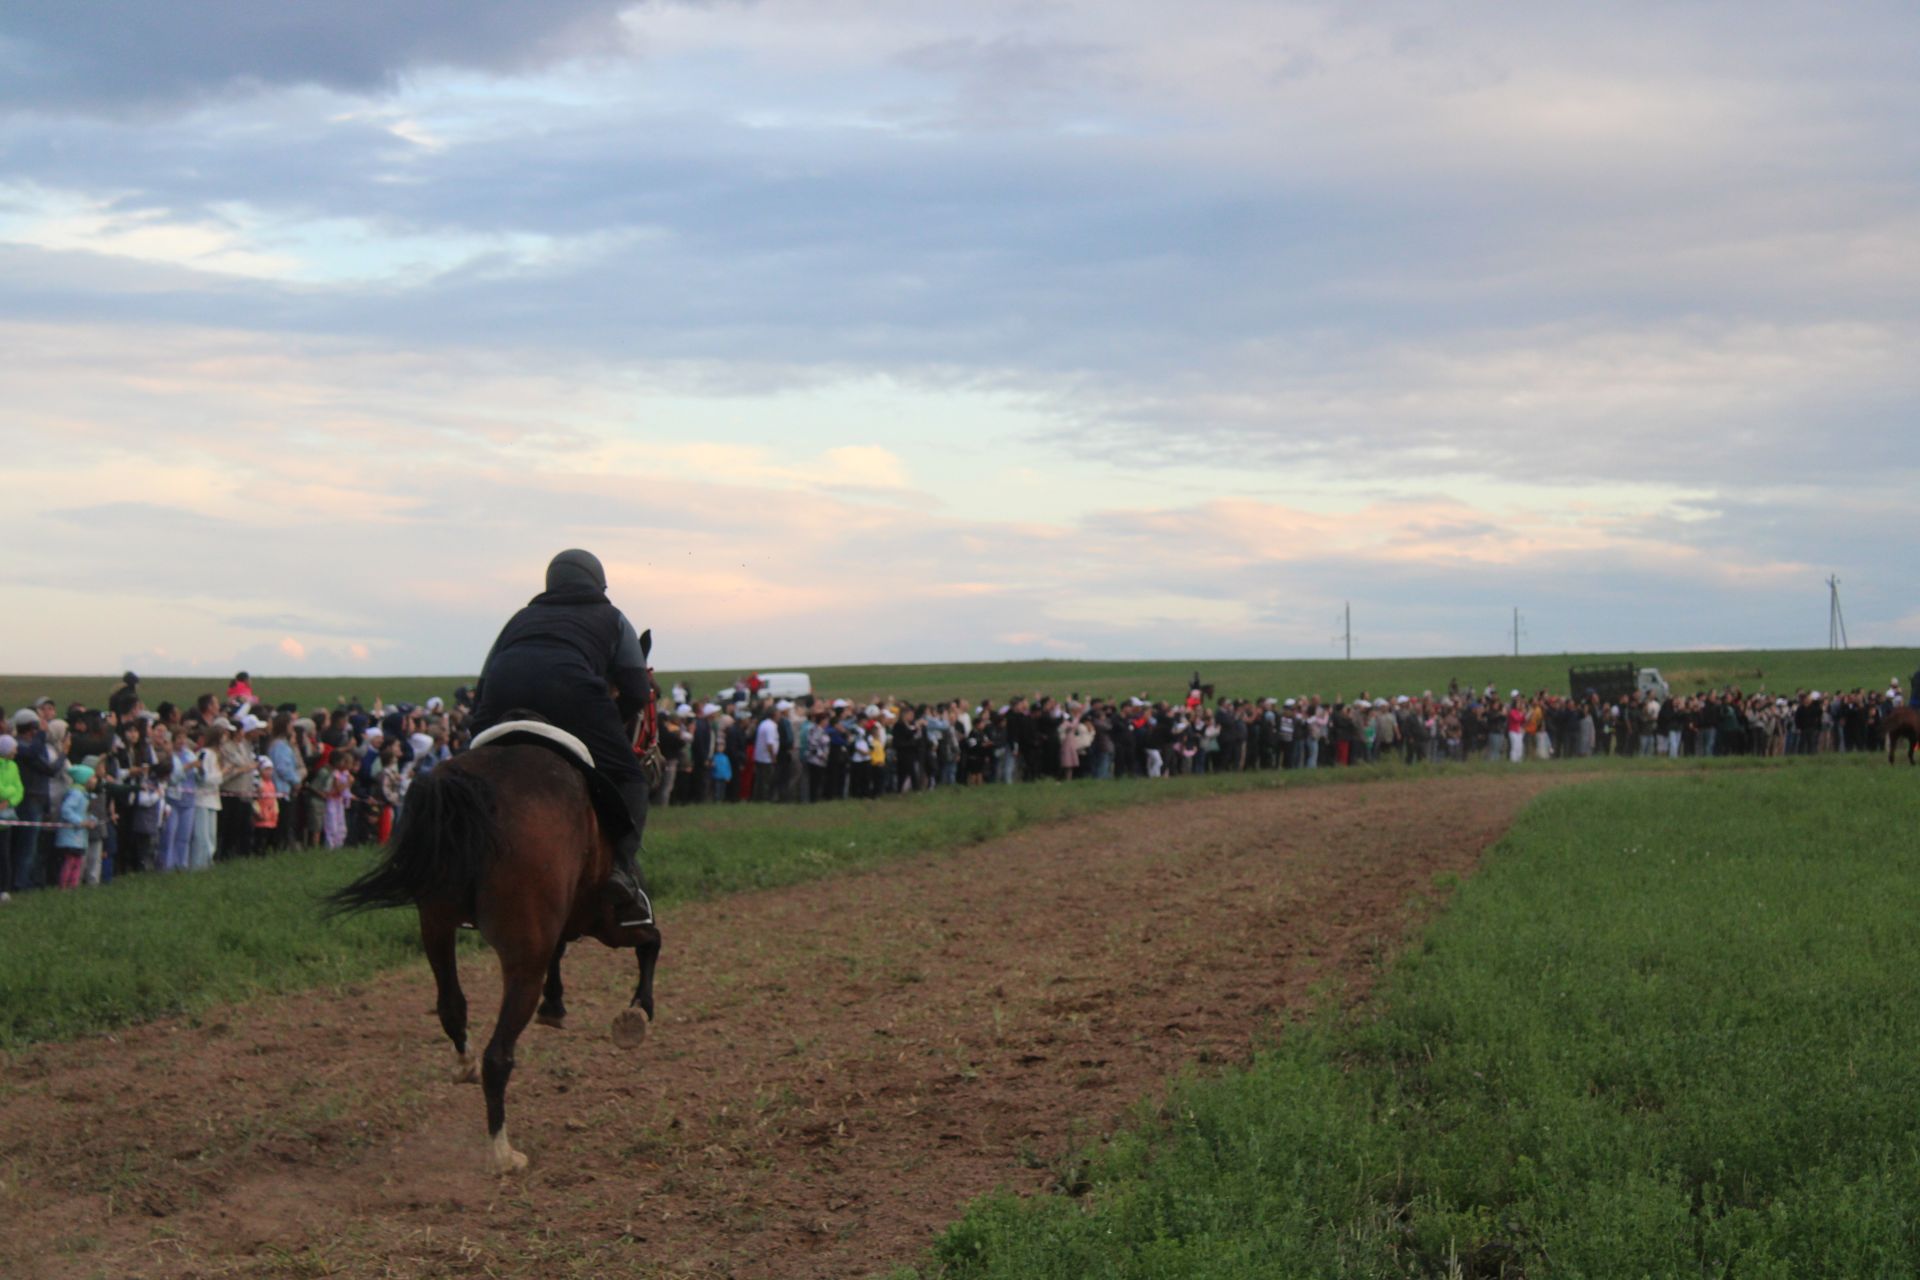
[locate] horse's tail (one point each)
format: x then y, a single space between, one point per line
448 832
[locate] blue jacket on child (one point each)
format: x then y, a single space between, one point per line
73 809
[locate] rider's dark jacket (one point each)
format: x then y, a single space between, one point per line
560 656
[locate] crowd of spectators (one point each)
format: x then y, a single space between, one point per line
777 750
127 788
92 792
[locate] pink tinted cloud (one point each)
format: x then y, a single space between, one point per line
415 504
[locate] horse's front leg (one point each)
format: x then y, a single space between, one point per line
631 1026
553 1003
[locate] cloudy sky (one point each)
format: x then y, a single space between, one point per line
927 330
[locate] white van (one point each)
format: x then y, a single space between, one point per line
792 685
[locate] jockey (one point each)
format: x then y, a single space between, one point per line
572 657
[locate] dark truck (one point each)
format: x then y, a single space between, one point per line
1615 680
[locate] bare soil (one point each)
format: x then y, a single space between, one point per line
837 1070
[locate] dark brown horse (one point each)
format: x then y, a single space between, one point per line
509 838
1904 723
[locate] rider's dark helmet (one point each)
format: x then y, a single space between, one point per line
576 569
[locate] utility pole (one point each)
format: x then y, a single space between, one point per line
1516 631
1836 621
1347 634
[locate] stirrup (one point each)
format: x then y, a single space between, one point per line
639 898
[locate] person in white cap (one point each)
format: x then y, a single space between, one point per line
266 804
673 750
790 725
702 742
1288 729
766 753
1386 731
239 784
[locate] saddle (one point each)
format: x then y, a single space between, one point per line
611 810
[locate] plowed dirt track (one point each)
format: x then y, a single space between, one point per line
838 1068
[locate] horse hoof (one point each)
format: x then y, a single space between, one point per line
466 1069
631 1027
558 1021
505 1159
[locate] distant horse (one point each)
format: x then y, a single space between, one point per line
515 840
1904 723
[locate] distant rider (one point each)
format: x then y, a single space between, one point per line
573 658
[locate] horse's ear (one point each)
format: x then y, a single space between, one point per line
646 643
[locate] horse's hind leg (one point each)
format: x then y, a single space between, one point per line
553 1001
438 932
520 992
631 1026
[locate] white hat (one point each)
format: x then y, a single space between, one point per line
375 733
420 743
1401 698
708 708
683 710
838 703
783 705
265 762
435 704
873 708
1362 702
1290 702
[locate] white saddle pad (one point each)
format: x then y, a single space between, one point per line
540 728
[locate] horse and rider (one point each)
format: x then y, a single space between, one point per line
531 836
572 658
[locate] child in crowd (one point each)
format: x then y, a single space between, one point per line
71 837
94 865
315 790
337 797
266 806
12 791
389 788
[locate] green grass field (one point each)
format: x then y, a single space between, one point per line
1781 670
1670 1029
147 946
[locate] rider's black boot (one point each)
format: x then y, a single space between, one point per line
631 904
